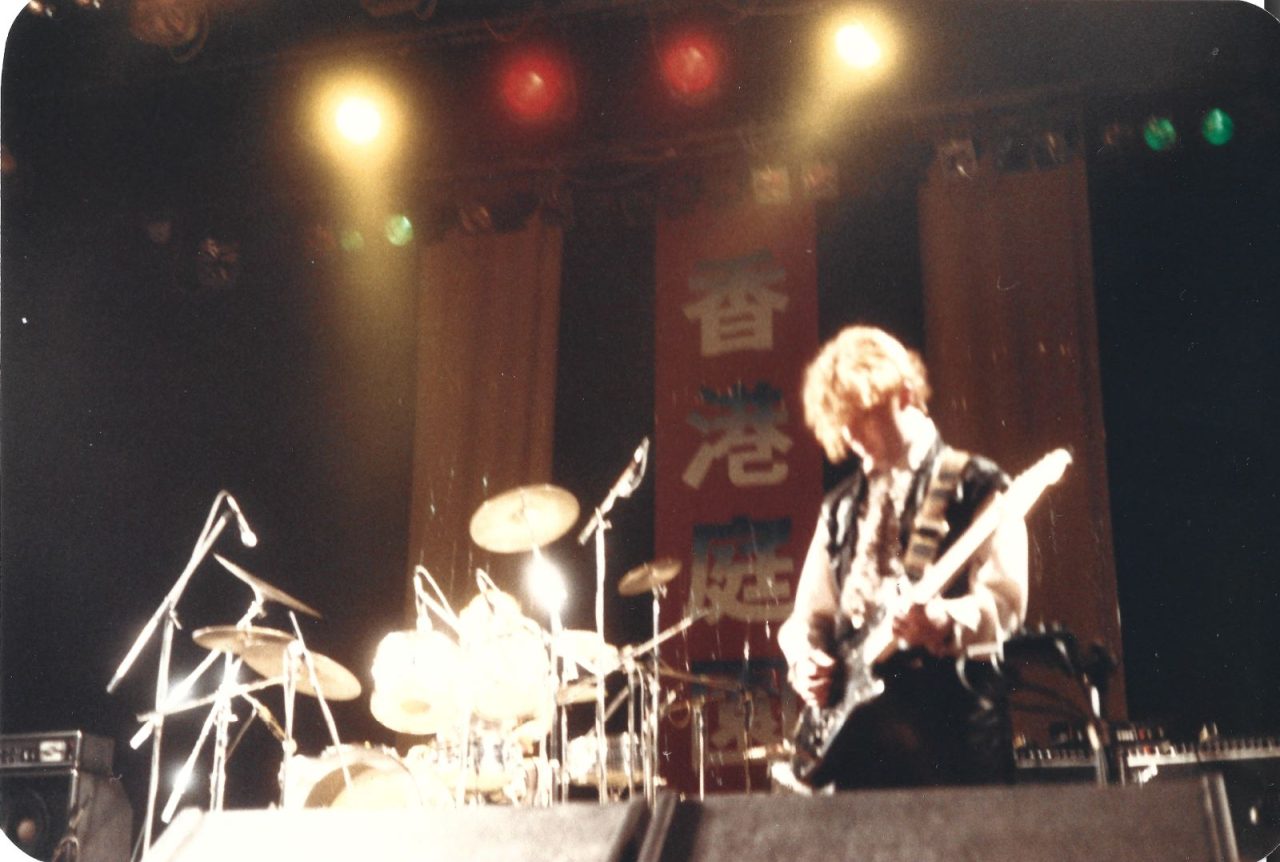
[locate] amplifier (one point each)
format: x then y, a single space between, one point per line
56 751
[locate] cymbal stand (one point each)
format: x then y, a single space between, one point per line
167 612
218 716
650 727
297 649
698 705
219 720
558 678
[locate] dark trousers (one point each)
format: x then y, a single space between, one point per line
926 729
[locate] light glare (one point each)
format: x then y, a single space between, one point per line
858 47
358 119
547 584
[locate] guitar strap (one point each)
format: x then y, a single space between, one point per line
929 529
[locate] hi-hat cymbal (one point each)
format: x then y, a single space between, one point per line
523 518
237 640
643 579
336 682
268 591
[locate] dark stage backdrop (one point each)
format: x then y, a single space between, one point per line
129 393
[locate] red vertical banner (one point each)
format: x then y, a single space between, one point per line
737 476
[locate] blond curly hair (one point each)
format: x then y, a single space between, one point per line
860 368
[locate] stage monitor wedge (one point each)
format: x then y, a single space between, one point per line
1177 821
575 832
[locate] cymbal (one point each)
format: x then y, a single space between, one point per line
268 591
643 579
721 683
336 681
588 649
523 518
237 640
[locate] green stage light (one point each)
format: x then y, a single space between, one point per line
1217 127
352 240
1160 134
399 230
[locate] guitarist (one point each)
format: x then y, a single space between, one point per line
865 398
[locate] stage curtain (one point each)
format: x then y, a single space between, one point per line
1011 344
488 318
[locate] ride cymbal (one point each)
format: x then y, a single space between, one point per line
236 640
523 519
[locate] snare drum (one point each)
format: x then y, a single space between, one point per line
623 767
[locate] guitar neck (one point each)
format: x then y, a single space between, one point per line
1016 502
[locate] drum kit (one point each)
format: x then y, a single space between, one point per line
487 688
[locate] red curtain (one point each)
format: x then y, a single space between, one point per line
1011 343
488 317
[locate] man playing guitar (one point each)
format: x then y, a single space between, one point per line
865 397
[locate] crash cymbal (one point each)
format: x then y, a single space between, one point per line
643 579
336 681
236 640
588 649
523 518
268 591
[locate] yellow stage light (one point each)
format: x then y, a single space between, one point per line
358 119
857 46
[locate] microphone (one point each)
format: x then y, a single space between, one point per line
626 485
634 474
247 536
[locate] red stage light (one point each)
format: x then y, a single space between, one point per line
536 87
692 63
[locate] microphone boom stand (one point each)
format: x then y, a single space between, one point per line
167 611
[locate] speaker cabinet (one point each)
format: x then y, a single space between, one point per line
1184 821
88 814
575 832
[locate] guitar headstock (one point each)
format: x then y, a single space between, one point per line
1032 482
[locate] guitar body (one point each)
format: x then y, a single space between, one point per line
823 734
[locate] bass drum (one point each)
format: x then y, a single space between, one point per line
379 780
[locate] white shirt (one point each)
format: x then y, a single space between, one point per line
992 608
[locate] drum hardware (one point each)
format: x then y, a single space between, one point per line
523 519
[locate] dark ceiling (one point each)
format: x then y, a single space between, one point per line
250 60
